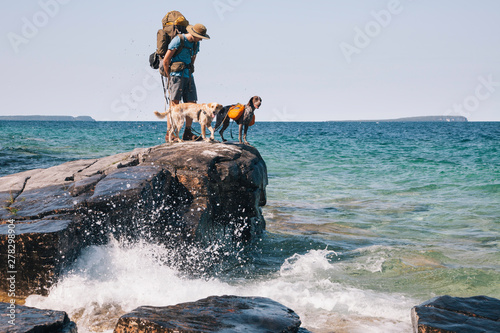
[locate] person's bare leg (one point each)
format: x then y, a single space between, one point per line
172 103
188 135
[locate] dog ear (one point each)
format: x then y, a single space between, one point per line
250 102
214 107
207 107
217 107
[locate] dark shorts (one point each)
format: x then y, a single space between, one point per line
182 88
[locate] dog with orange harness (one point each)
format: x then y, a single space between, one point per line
243 115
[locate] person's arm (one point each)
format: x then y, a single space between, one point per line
167 59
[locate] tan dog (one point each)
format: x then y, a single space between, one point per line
201 113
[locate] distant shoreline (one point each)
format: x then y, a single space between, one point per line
420 119
47 118
88 118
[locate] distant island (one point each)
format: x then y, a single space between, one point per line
423 118
47 118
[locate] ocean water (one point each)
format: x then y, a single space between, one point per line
364 221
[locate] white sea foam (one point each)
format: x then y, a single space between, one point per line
373 257
108 281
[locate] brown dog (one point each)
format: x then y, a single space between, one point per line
243 121
201 113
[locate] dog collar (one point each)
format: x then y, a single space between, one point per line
200 111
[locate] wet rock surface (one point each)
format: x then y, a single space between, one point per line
192 192
24 319
446 314
213 314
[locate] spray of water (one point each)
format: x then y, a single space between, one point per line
111 280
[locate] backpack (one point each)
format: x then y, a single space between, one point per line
236 111
173 23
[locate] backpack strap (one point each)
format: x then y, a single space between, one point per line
181 46
196 46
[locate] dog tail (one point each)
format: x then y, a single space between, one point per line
161 115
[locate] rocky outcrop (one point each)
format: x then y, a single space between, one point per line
213 314
24 319
193 192
447 314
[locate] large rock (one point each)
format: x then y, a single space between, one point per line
24 319
194 192
445 314
213 314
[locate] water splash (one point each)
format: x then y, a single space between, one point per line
109 281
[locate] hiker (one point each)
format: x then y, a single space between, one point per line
180 67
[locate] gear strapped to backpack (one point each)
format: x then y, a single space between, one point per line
174 23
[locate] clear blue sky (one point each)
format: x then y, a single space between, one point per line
308 60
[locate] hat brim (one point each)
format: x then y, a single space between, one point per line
190 29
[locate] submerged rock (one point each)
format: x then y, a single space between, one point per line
446 314
213 314
192 192
24 319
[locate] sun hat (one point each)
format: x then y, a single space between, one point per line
198 30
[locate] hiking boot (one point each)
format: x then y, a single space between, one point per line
188 135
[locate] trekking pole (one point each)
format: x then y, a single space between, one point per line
164 91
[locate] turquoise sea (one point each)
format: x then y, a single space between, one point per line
364 221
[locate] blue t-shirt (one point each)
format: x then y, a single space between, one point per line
185 55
